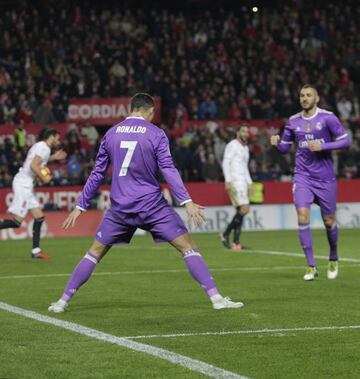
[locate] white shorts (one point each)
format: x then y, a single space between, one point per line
239 194
24 199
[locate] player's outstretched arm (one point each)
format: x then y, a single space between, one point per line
71 219
195 213
58 156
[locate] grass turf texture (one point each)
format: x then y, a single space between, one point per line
131 303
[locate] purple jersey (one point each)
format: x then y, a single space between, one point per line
323 127
137 150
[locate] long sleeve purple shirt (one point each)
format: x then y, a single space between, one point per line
323 127
137 150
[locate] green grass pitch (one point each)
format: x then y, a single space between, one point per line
144 289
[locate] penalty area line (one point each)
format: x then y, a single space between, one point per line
175 271
177 359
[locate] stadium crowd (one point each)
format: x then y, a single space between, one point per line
197 155
204 65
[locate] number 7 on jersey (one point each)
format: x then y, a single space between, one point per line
130 146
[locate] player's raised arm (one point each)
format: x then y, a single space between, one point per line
173 179
283 143
59 155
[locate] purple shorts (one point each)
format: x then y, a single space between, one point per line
163 223
307 191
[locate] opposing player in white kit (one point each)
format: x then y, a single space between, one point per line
237 180
23 187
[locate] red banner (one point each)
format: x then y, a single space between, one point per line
208 194
104 111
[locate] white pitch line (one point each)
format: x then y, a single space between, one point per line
288 254
116 273
258 331
178 359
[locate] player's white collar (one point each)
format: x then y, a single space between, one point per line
138 117
311 117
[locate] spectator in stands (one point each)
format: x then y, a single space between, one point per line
265 174
26 114
89 132
208 109
182 158
223 65
344 107
5 78
72 139
211 170
44 114
117 70
15 162
198 160
9 111
223 108
20 138
74 168
219 148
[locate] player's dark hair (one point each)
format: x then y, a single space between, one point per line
141 101
241 126
46 133
307 85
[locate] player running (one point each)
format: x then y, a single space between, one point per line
23 187
237 181
315 132
137 149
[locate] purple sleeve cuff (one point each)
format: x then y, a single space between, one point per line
284 146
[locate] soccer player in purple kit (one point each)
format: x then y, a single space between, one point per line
137 150
315 132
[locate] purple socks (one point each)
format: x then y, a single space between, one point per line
80 275
199 271
332 235
306 243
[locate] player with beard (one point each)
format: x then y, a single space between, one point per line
237 180
315 133
24 200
